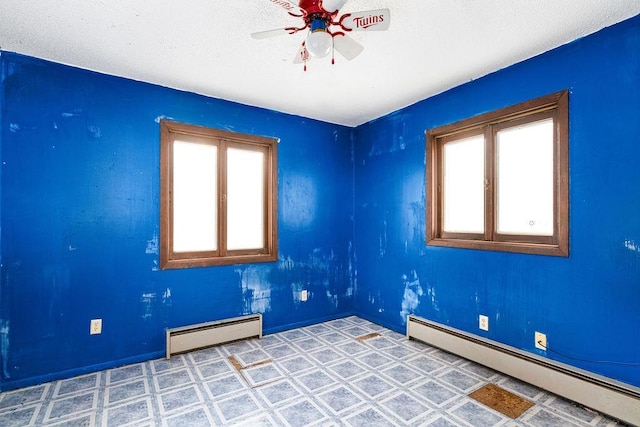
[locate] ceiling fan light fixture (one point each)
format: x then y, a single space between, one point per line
319 41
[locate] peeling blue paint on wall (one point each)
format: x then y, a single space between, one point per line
80 240
595 292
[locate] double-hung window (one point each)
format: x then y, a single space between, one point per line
499 181
218 197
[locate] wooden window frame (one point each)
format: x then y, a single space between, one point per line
555 105
169 132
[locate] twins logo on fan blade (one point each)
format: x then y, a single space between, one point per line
369 21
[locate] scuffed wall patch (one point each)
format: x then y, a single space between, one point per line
632 245
166 298
376 301
94 131
152 249
74 113
324 276
152 245
147 300
4 347
411 297
382 240
332 299
256 290
285 263
352 272
159 118
431 294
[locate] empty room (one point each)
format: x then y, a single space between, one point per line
322 213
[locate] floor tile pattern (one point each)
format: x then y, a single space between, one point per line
346 372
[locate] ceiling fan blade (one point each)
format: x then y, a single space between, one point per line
270 33
289 6
302 55
369 20
332 5
347 46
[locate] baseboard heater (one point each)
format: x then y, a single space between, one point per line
614 398
201 335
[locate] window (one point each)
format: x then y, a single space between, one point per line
499 181
218 197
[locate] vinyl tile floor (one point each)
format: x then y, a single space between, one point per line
346 372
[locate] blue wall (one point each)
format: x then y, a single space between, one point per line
80 218
589 303
80 177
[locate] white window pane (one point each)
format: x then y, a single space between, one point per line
463 185
194 197
525 179
245 199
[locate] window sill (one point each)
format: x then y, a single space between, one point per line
514 247
216 261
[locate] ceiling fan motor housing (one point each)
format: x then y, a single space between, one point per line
317 23
312 6
325 7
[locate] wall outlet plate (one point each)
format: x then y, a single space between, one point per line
96 327
483 322
304 295
541 340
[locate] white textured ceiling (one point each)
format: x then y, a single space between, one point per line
204 46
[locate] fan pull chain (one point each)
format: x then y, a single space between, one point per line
333 49
305 56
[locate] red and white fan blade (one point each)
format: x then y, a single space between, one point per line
347 46
271 33
289 6
369 20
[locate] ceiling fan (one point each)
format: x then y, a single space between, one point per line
327 32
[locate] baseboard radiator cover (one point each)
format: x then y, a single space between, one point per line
608 396
201 335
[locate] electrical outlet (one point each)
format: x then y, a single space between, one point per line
303 295
483 322
541 340
96 327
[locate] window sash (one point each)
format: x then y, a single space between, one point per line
234 212
194 203
442 186
523 237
